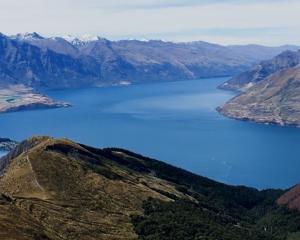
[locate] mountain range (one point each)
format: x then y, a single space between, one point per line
23 63
57 62
270 92
58 189
261 71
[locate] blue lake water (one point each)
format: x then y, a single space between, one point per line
2 153
175 122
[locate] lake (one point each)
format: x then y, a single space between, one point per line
2 153
175 122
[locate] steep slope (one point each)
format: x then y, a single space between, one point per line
23 63
58 189
197 52
134 60
56 44
98 61
273 100
73 192
18 224
247 79
157 60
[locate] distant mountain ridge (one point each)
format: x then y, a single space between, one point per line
247 79
57 62
23 63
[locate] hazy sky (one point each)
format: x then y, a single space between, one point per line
269 22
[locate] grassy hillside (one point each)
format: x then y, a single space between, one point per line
58 189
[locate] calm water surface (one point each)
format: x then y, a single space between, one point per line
2 153
175 122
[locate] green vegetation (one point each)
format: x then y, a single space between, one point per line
188 220
221 211
57 189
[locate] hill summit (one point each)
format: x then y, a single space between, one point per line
58 189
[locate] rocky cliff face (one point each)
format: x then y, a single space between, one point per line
246 80
47 63
275 99
58 189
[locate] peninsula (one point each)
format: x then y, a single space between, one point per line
18 97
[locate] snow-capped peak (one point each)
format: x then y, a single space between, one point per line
69 38
138 39
81 40
27 36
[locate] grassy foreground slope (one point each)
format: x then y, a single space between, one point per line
58 189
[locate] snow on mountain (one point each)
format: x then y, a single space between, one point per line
27 36
82 40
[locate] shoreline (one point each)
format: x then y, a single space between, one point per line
20 98
256 120
35 106
228 114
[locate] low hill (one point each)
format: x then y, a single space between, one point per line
275 99
18 97
58 189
